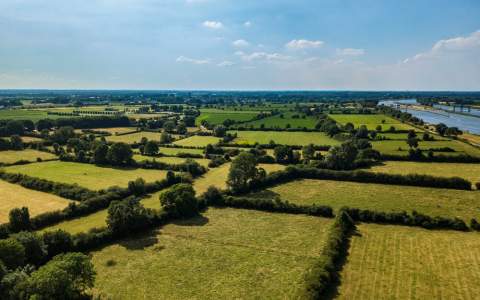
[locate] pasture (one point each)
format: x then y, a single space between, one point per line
117 130
26 114
222 254
176 151
197 141
397 262
286 138
371 121
134 137
14 195
277 121
379 197
401 147
218 116
10 156
171 160
470 172
86 175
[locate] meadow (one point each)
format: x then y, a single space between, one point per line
117 130
26 114
277 121
176 151
397 262
10 156
197 141
86 175
262 253
14 195
371 121
393 146
470 172
171 159
379 197
134 137
286 138
218 116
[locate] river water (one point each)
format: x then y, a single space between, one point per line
462 122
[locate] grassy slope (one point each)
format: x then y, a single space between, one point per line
287 138
396 262
468 171
430 201
198 141
86 175
225 254
13 195
9 156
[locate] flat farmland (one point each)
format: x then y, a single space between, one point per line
171 160
27 114
286 138
371 121
218 116
278 121
379 197
176 151
117 130
197 141
134 137
14 195
392 147
470 172
223 254
86 175
397 262
10 156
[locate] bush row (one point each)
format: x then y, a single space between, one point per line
294 172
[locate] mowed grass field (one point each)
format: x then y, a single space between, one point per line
218 116
218 177
117 130
393 146
223 254
175 151
379 197
10 156
14 195
278 121
397 262
171 160
371 121
198 141
468 171
86 175
285 138
134 137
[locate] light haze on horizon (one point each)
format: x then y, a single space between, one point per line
240 45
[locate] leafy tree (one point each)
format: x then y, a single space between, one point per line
349 127
119 154
14 127
126 216
12 253
412 142
44 124
189 121
35 250
169 126
66 276
100 154
137 187
378 128
28 125
19 219
165 138
151 148
62 134
170 177
242 170
57 242
362 132
181 128
220 131
179 200
411 134
342 157
16 142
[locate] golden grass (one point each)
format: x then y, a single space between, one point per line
10 156
198 141
171 160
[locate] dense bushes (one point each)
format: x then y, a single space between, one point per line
322 275
292 173
179 201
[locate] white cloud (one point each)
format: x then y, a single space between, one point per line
225 63
240 43
213 24
457 44
184 59
247 24
350 52
303 44
258 56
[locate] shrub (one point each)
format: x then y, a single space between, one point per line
12 253
35 250
477 185
57 242
137 187
474 225
19 219
126 216
180 201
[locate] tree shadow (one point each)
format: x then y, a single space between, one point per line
199 220
140 241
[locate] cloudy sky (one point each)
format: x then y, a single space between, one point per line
241 44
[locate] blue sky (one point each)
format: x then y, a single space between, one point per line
239 45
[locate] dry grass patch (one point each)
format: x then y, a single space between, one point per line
10 156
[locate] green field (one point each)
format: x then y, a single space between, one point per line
217 116
171 160
286 138
134 137
117 130
198 141
10 156
86 175
175 151
392 147
27 114
14 195
371 121
278 122
223 254
379 197
397 262
468 171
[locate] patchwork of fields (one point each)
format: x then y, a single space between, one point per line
262 253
